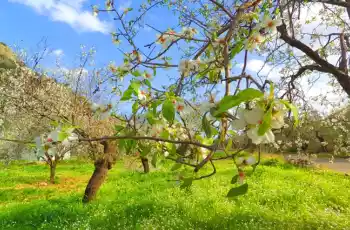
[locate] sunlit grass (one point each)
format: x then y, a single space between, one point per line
279 197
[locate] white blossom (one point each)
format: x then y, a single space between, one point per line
253 41
268 136
270 24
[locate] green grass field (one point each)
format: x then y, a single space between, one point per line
279 197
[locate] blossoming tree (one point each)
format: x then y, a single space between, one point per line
211 36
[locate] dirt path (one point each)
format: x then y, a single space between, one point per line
339 165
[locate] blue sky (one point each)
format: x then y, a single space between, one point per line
67 24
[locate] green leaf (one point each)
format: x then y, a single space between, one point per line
150 118
154 71
135 106
206 126
234 179
145 150
154 160
187 183
118 128
229 145
176 167
214 131
237 191
62 136
135 85
266 122
272 92
129 145
168 111
136 73
54 123
155 105
294 111
164 134
212 75
231 101
236 49
127 94
148 83
122 144
232 133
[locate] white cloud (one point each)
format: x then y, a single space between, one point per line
70 12
57 52
124 5
255 65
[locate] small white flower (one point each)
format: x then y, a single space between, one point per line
268 137
142 95
94 107
193 65
156 130
253 41
239 123
73 137
188 66
270 24
189 32
166 153
147 75
279 142
277 120
204 152
286 126
125 67
183 67
254 116
164 40
324 143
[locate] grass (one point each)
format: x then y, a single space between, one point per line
279 197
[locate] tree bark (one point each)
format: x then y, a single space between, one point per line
52 172
102 165
145 164
96 180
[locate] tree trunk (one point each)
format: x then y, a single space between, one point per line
96 180
145 164
102 166
52 172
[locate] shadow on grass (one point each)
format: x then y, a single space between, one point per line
69 213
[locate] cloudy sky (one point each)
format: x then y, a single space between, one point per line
67 24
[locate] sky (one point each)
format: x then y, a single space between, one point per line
68 24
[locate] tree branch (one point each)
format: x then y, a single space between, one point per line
340 75
210 147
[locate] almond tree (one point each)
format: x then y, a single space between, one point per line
212 34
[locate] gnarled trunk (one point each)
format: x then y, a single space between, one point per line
102 166
96 180
145 164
